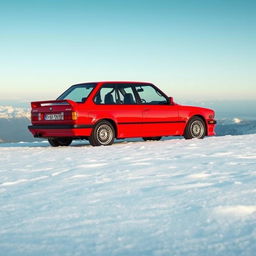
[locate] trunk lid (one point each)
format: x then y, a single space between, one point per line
53 112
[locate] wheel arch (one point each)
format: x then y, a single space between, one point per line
200 116
110 121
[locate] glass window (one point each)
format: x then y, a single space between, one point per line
115 94
77 93
106 95
126 95
150 95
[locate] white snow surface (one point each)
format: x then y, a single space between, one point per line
172 197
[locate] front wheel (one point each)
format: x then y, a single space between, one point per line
195 128
103 134
56 142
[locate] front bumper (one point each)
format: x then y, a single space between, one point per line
211 126
212 122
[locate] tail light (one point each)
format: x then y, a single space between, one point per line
74 116
34 116
40 116
71 116
37 116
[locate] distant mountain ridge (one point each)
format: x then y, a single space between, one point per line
236 127
15 120
13 124
15 130
7 112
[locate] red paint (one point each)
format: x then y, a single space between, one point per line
129 120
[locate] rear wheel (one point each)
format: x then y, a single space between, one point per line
56 142
195 128
103 134
151 138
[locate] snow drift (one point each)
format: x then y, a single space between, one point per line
172 197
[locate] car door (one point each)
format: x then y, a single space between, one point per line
159 116
118 102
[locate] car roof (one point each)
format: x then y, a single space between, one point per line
123 82
114 82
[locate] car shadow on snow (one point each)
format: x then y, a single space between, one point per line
78 143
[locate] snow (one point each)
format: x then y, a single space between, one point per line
172 197
237 210
237 120
7 112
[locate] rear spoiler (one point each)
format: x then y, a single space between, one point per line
37 104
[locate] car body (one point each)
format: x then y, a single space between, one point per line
121 110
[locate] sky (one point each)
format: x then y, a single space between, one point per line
191 49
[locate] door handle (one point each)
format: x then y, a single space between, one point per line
146 109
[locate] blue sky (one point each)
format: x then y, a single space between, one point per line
196 50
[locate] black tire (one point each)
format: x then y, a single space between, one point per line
195 128
103 134
56 142
152 138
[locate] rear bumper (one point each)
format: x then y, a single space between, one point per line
44 131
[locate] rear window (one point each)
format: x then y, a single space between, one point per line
77 93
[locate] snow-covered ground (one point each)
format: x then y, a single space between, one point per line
172 197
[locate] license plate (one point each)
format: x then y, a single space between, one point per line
54 116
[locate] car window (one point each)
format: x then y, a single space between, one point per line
126 95
150 95
106 95
116 94
77 93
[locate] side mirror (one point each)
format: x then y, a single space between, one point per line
171 101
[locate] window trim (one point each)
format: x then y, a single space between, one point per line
115 87
135 93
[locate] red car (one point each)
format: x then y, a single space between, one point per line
103 111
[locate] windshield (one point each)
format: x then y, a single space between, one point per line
78 93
